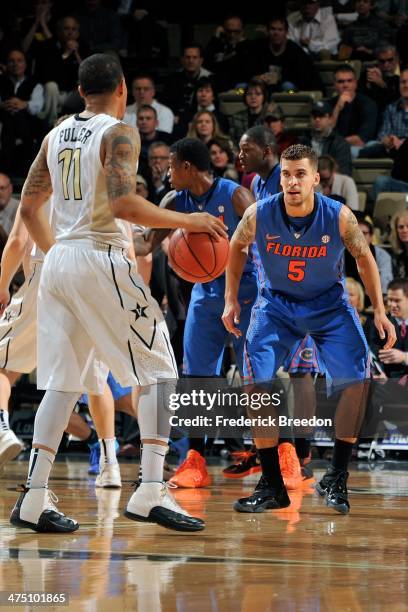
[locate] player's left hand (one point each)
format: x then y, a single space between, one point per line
231 317
391 356
385 329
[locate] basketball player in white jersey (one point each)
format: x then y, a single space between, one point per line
18 351
94 312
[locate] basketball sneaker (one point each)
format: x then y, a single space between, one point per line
289 465
333 486
35 509
153 503
10 446
246 463
306 471
265 497
109 477
95 455
192 472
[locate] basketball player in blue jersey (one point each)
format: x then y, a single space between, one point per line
301 237
258 153
204 333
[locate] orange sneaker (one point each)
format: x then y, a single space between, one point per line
192 473
290 466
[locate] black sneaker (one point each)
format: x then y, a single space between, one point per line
333 486
247 463
51 520
265 497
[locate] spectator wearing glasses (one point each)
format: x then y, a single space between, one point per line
381 81
225 51
354 115
144 91
333 184
158 158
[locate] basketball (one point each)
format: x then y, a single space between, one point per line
197 257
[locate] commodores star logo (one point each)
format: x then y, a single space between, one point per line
139 311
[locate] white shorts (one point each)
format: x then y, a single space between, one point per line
95 314
18 327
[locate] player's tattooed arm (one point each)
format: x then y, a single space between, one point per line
38 182
246 229
352 235
120 153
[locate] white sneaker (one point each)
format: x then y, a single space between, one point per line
109 476
153 503
35 508
10 446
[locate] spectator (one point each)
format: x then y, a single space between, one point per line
225 51
314 29
100 27
158 160
399 244
380 82
180 87
279 62
362 37
356 295
58 66
275 121
145 33
147 125
325 140
333 183
393 12
144 91
38 28
354 115
255 100
8 205
204 127
382 258
395 360
222 160
398 181
204 100
21 99
394 129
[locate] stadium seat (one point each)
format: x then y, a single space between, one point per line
365 171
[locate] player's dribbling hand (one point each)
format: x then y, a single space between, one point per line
204 222
230 318
4 299
385 329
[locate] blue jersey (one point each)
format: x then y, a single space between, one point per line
262 189
301 264
216 201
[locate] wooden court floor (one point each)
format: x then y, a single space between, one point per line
305 558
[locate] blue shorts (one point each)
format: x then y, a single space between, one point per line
278 324
204 333
117 390
304 358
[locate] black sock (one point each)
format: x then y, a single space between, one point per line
197 444
341 454
302 447
92 438
269 459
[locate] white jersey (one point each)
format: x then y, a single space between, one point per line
81 208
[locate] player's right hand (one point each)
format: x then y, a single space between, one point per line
4 300
203 222
231 317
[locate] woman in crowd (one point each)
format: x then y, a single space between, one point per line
255 99
222 159
399 244
204 127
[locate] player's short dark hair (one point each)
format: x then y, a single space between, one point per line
299 151
399 283
193 151
262 136
345 68
99 74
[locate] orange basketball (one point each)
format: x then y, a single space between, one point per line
197 258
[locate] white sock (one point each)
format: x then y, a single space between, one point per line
152 462
4 420
39 469
108 451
